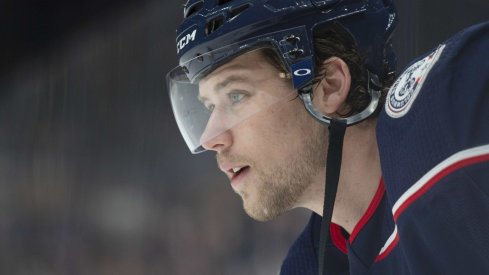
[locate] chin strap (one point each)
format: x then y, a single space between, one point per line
333 166
337 129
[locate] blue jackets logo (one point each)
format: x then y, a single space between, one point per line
406 88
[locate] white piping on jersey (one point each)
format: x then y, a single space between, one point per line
389 241
457 157
465 154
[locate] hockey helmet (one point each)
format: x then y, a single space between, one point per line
214 32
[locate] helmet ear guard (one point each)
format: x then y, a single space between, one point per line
374 90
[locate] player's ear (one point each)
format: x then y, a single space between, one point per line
331 92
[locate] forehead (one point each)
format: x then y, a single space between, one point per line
250 66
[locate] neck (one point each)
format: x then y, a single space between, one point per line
359 177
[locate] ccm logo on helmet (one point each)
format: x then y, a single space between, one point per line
302 72
189 37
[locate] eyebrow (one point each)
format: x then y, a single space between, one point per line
221 85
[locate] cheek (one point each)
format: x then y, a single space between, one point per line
278 129
290 119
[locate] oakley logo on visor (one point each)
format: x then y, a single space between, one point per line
185 40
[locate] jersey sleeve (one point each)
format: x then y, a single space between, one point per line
434 146
445 229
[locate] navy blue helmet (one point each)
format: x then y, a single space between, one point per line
286 25
215 31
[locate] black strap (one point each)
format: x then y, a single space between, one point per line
333 166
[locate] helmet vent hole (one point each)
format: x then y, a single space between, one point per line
196 7
214 24
237 11
222 2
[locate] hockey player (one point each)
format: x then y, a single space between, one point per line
270 86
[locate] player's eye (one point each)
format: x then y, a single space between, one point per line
236 97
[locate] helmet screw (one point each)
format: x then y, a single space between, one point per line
200 57
292 39
295 53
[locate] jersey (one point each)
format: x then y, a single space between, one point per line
430 214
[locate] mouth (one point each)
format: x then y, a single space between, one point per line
237 172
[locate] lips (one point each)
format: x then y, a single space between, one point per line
238 171
233 171
238 177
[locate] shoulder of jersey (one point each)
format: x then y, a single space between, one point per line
405 90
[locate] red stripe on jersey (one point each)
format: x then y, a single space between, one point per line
390 246
439 176
369 212
455 162
338 238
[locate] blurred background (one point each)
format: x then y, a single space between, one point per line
94 176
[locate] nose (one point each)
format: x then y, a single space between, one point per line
216 137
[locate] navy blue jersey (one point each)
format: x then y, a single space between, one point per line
431 212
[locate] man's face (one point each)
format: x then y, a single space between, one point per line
267 144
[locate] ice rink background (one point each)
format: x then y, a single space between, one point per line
94 176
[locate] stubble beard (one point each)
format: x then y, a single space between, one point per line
279 188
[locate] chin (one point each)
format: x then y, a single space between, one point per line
261 213
260 217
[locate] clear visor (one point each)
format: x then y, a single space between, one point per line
244 88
